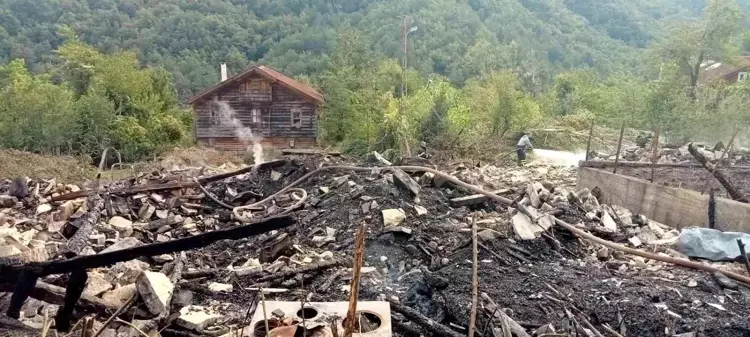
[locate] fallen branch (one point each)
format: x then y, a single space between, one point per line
718 174
424 322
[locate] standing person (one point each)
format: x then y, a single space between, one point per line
523 145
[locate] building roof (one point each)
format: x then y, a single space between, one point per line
715 70
269 73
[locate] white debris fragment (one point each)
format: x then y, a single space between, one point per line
156 291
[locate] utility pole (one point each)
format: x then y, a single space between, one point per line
406 29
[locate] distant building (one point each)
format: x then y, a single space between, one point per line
731 73
281 110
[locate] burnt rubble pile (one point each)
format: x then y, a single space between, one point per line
678 155
535 278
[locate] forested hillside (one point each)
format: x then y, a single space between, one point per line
457 39
78 76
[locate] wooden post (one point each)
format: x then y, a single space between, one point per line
619 147
729 145
475 277
655 153
359 252
588 143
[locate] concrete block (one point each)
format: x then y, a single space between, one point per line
156 291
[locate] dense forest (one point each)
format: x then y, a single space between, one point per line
509 63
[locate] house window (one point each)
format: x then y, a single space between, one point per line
296 118
213 113
255 113
742 76
256 85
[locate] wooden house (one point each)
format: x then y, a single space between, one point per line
279 110
730 73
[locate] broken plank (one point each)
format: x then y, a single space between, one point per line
475 199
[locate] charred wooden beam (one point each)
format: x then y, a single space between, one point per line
718 174
424 322
86 224
171 185
110 258
306 269
76 284
26 282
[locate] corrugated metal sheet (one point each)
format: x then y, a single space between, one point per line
269 73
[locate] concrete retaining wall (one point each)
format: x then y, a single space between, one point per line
671 206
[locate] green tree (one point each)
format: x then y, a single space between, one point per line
689 44
498 102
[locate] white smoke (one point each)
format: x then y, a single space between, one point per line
228 117
558 158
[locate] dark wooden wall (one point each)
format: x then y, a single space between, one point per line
275 119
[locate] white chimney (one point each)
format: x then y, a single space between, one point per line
223 72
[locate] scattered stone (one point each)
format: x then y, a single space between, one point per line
397 229
420 210
98 240
275 176
8 251
338 181
692 283
125 243
164 258
426 179
324 190
146 212
117 297
608 222
393 217
156 291
162 213
220 287
724 281
96 284
489 235
43 208
603 254
320 240
122 225
197 318
533 195
635 241
524 227
66 210
404 181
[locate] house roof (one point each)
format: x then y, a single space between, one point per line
269 73
715 70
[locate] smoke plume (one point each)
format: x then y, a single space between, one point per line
228 117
